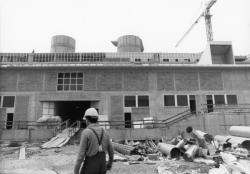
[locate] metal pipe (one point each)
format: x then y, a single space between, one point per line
200 133
169 149
243 142
180 144
240 131
221 138
123 149
191 152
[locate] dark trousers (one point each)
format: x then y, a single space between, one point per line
95 164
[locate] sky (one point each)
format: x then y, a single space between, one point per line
29 24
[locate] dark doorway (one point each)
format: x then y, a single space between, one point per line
192 104
72 110
127 119
9 122
210 104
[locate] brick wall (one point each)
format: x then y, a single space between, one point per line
109 81
8 80
50 81
165 81
211 81
116 109
89 81
135 81
21 108
186 81
236 80
30 81
2 114
140 113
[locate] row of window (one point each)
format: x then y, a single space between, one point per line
223 99
179 100
182 100
7 101
136 101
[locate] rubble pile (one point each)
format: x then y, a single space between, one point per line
218 154
136 148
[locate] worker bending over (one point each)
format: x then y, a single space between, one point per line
94 145
200 141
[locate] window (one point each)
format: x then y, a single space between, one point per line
143 101
8 101
48 108
169 100
129 101
182 100
9 123
127 120
137 60
219 99
232 100
70 81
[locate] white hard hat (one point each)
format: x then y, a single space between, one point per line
91 112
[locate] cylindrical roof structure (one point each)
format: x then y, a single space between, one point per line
62 44
128 43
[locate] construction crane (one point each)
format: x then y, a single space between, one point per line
207 16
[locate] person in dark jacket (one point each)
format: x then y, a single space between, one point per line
94 145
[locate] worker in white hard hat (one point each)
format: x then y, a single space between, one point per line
94 145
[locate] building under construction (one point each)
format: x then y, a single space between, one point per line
138 95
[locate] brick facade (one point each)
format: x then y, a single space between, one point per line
108 86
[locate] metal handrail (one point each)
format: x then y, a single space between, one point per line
239 108
175 116
178 119
73 128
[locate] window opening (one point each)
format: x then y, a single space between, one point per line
210 107
143 101
219 99
130 101
192 103
169 100
232 100
9 122
127 120
48 109
182 100
70 81
8 101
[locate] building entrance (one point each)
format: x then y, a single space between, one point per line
71 110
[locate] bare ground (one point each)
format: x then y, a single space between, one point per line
62 161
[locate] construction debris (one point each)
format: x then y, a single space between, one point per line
180 154
169 150
222 153
123 149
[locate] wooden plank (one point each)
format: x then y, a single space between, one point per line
22 153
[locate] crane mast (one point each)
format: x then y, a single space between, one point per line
208 23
